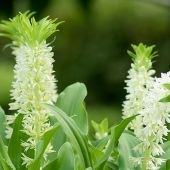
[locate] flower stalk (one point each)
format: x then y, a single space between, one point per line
146 158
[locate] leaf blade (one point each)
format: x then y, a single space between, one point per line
2 124
65 159
6 163
71 102
116 132
14 148
40 148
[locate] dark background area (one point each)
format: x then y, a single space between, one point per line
92 44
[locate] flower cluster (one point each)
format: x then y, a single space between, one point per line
144 95
34 83
138 80
154 116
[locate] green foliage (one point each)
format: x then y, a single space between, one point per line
64 160
76 151
14 146
67 101
167 86
143 55
166 98
166 156
41 146
86 155
75 136
116 132
71 101
101 128
2 124
23 29
126 150
5 160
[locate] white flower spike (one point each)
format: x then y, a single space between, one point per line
34 83
155 115
138 81
147 97
143 98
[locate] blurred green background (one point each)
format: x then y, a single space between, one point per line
92 44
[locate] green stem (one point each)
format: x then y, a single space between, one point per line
146 159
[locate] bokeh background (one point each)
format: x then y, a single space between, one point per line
92 44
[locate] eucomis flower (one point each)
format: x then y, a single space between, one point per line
138 81
144 98
155 116
34 83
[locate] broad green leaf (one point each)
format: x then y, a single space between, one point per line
166 148
41 147
15 148
71 102
65 159
77 138
57 141
116 132
2 124
111 166
5 161
100 144
166 155
95 153
127 142
119 129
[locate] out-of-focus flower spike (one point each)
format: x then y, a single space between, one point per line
138 79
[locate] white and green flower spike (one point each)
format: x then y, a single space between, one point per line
34 83
155 116
138 80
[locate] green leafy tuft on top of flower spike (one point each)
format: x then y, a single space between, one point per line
24 29
143 55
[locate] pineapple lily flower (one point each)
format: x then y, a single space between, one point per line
155 115
34 83
144 93
138 80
